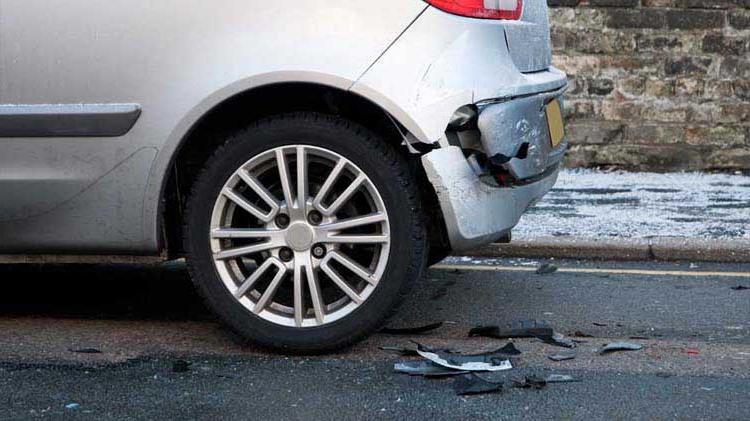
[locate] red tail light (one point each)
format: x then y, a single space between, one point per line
483 9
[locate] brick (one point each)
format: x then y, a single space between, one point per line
614 3
687 66
636 18
726 45
694 19
739 19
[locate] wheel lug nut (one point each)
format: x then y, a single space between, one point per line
315 218
282 221
286 254
318 251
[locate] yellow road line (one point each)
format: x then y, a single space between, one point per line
612 271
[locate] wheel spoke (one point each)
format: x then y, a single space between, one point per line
302 187
315 294
336 278
286 182
270 291
245 204
357 239
345 196
330 181
353 266
252 279
243 233
298 301
355 222
244 251
261 191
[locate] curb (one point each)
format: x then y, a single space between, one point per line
667 249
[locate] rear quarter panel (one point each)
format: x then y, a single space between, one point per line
177 59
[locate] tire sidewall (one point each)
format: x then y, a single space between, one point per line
382 169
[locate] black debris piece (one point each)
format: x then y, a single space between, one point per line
86 351
412 330
524 329
579 334
740 288
600 324
620 346
521 329
181 366
563 356
406 352
546 269
471 384
530 382
425 368
643 338
664 375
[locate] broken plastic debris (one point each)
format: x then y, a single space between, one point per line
86 351
546 269
560 378
620 346
181 366
521 329
530 382
72 406
558 339
425 368
471 384
692 351
488 361
524 329
411 330
563 356
579 334
740 288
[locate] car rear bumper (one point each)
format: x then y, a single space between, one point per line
477 213
516 138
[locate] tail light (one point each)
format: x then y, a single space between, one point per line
482 9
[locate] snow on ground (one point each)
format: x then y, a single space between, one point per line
593 203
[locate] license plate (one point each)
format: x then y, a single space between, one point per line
555 122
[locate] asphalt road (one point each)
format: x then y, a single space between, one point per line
694 327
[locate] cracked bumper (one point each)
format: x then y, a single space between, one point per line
476 213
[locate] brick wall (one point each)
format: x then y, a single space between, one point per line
656 84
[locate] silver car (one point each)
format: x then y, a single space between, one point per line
309 159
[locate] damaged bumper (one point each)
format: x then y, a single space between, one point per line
518 139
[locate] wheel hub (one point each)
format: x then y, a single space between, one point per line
300 236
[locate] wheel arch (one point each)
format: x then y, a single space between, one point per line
240 109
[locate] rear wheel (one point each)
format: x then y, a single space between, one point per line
304 231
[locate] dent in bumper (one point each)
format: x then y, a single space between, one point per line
509 127
476 213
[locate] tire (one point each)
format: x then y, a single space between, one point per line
396 258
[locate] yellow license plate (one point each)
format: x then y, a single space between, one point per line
555 122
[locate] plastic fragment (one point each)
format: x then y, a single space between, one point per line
620 346
579 334
558 339
563 356
740 288
425 368
85 351
72 405
488 361
530 382
411 330
471 384
546 269
181 366
521 329
560 378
